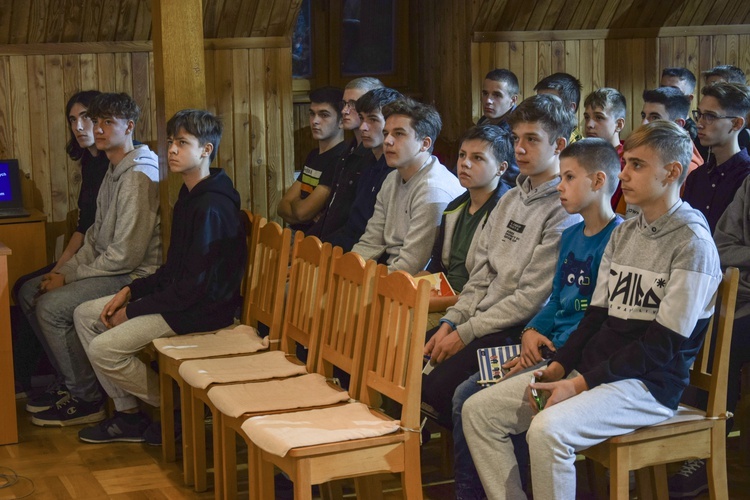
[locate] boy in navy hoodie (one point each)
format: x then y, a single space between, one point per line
196 290
627 363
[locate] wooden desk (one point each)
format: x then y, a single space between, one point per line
26 237
8 423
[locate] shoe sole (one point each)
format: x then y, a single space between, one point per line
112 440
36 409
87 419
688 494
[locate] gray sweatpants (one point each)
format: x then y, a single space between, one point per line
555 434
114 353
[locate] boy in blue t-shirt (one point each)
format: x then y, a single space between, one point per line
588 170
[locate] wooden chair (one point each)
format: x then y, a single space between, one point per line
341 344
393 368
263 299
691 433
303 317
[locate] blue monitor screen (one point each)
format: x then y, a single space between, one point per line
5 191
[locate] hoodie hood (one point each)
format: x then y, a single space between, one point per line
676 218
217 182
529 194
141 159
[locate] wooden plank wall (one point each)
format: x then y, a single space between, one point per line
250 88
628 64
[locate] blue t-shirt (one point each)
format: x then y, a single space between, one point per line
575 280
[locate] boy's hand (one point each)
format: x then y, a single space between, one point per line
447 347
530 343
113 313
441 333
513 366
51 281
559 391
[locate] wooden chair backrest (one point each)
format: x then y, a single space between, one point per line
711 367
253 223
267 282
395 342
308 277
345 321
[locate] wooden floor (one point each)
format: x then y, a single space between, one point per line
52 463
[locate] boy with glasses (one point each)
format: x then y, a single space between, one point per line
720 117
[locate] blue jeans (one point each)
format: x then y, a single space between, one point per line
51 317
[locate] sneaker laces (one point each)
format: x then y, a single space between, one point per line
690 466
65 401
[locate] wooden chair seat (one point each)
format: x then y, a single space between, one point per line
278 434
201 373
240 339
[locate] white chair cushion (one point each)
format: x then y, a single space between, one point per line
201 373
241 339
684 413
273 395
278 434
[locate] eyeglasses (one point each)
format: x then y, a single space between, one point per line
352 104
709 118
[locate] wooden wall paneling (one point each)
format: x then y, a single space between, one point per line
243 72
39 141
152 97
91 19
264 132
246 16
212 14
142 25
108 23
211 106
585 75
476 80
223 88
6 134
139 86
530 73
71 84
73 22
303 140
692 55
545 13
37 21
607 15
54 17
557 57
732 47
744 53
523 15
544 63
716 12
5 16
123 76
125 29
578 19
705 56
21 127
719 52
279 172
649 14
228 20
652 72
567 13
515 64
637 79
19 25
89 72
593 14
106 72
679 49
598 74
702 11
289 20
54 127
261 19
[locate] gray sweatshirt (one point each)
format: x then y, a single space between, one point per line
406 217
126 236
515 264
732 237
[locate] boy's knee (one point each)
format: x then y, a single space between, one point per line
473 410
99 354
544 432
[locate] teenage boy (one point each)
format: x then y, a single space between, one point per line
721 117
196 290
374 171
123 243
503 293
588 171
304 200
724 73
344 177
499 96
604 117
684 80
566 87
407 211
627 363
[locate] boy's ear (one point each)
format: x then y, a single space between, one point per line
600 179
514 99
674 171
501 168
560 144
680 122
131 126
619 125
208 148
738 123
426 143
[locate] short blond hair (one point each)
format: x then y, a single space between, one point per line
670 141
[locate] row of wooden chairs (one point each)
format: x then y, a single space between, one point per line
348 314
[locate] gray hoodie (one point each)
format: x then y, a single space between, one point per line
126 236
515 261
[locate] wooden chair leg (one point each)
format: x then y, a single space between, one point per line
168 451
369 487
660 482
228 460
446 452
264 474
645 483
218 442
411 478
597 478
619 482
186 418
716 465
332 490
302 481
198 438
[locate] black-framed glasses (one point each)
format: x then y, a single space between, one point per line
352 104
709 118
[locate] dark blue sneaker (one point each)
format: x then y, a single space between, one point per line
56 393
126 428
690 481
70 411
